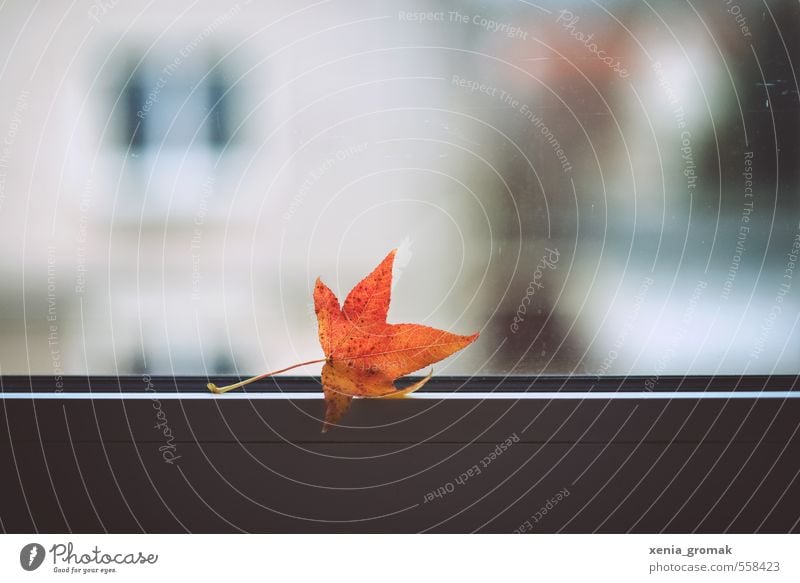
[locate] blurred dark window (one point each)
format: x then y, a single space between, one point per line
176 106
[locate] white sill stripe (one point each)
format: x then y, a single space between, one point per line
257 396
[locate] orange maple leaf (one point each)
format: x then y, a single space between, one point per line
364 354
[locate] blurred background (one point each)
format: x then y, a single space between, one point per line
598 189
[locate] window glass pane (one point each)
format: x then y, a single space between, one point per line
599 189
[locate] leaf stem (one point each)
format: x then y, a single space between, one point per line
219 390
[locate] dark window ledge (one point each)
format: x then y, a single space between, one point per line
166 464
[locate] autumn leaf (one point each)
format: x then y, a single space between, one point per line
364 354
